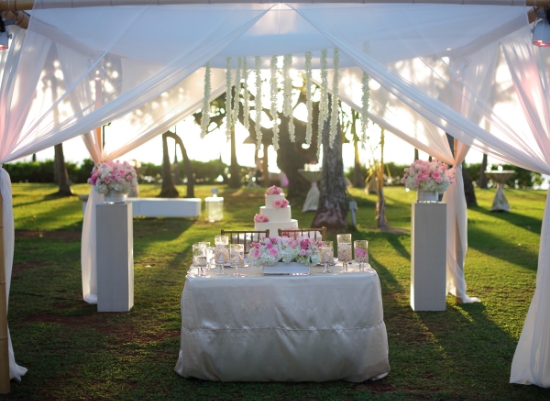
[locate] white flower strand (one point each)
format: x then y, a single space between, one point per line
258 100
287 63
236 102
205 120
246 95
334 116
365 106
274 115
323 103
309 104
228 98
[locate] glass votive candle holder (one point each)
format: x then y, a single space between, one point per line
221 240
199 257
361 253
237 258
344 250
326 251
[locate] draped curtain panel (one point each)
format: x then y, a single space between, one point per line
430 75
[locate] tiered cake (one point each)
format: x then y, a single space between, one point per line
276 213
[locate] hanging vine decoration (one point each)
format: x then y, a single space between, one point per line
228 113
323 102
365 106
334 111
287 105
273 66
205 120
258 100
236 100
309 104
246 95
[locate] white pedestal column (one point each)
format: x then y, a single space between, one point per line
115 257
428 256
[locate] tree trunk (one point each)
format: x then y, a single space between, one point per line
186 162
168 190
177 175
332 211
61 172
290 160
416 156
358 179
482 175
265 166
468 188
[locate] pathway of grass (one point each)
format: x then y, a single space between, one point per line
74 353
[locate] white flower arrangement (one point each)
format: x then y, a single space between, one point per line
323 102
365 106
265 252
334 110
113 176
429 176
258 100
228 113
287 104
205 120
309 104
274 115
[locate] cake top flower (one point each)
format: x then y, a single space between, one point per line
274 190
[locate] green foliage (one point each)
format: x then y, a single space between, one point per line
43 172
74 353
392 173
523 179
206 172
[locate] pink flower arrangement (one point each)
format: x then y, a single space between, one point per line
265 252
308 253
429 176
274 190
360 253
289 248
260 218
113 175
280 203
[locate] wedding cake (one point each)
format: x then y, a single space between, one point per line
276 213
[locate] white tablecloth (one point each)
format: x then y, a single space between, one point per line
283 328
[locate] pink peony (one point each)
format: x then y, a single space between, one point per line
256 253
274 190
278 204
284 203
269 245
260 218
273 252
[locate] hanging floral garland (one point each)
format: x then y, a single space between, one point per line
205 120
287 105
365 106
323 103
228 113
246 95
309 104
273 66
236 102
334 114
258 100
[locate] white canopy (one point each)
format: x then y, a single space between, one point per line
439 67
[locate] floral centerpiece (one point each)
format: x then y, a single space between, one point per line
113 176
428 176
289 248
265 252
274 190
308 253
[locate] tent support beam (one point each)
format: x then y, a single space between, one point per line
22 5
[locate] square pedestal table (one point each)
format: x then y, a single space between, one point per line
260 328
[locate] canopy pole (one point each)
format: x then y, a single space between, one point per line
22 5
4 355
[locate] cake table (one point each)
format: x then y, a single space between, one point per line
317 328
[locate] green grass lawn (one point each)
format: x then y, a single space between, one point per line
74 353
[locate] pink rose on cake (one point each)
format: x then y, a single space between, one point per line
274 190
260 218
280 203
